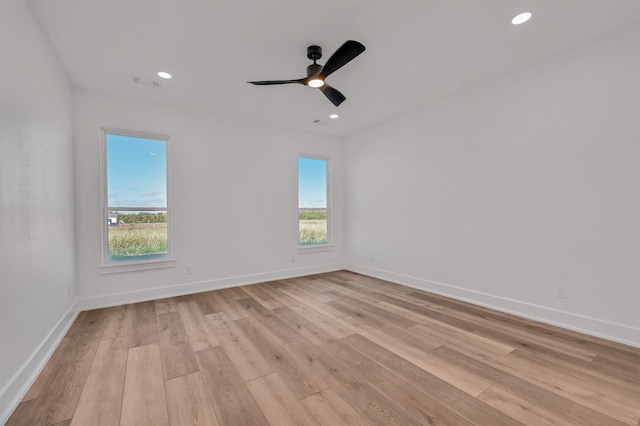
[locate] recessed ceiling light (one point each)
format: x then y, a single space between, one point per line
334 116
164 74
521 19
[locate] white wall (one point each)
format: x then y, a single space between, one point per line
500 194
37 266
234 216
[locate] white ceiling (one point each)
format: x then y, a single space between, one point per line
417 52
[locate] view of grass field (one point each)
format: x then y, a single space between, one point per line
145 234
129 241
312 226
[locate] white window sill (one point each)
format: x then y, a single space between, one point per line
132 266
315 248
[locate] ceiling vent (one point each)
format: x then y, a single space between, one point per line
136 79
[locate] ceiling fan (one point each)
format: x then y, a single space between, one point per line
316 73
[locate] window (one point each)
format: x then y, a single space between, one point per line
136 211
314 202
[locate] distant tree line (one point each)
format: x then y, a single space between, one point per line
143 217
312 214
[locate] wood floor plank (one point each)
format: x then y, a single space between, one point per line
428 312
94 319
533 343
498 330
336 330
451 374
166 305
235 293
619 390
244 355
278 403
520 409
118 323
311 302
438 331
338 292
473 410
374 323
315 358
188 402
331 410
282 298
64 350
422 408
513 330
177 356
614 405
198 332
376 408
101 399
621 407
413 402
612 367
229 305
291 369
207 302
551 334
358 308
59 395
317 335
23 414
623 385
284 332
374 285
319 283
232 401
309 288
144 326
259 295
508 378
144 400
452 337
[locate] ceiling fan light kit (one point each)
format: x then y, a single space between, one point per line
317 74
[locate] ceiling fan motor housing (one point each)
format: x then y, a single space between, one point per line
314 52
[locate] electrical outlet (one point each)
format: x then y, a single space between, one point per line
562 292
293 258
189 269
371 258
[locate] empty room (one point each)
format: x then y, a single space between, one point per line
319 212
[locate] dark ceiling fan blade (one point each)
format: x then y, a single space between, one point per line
332 94
272 82
345 53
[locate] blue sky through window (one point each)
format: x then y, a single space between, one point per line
312 183
136 172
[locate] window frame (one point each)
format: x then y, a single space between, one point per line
114 266
312 248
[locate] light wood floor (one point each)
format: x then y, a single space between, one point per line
331 349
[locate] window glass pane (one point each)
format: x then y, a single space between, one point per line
136 172
312 201
137 235
136 197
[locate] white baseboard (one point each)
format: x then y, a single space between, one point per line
19 384
200 286
592 326
14 391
